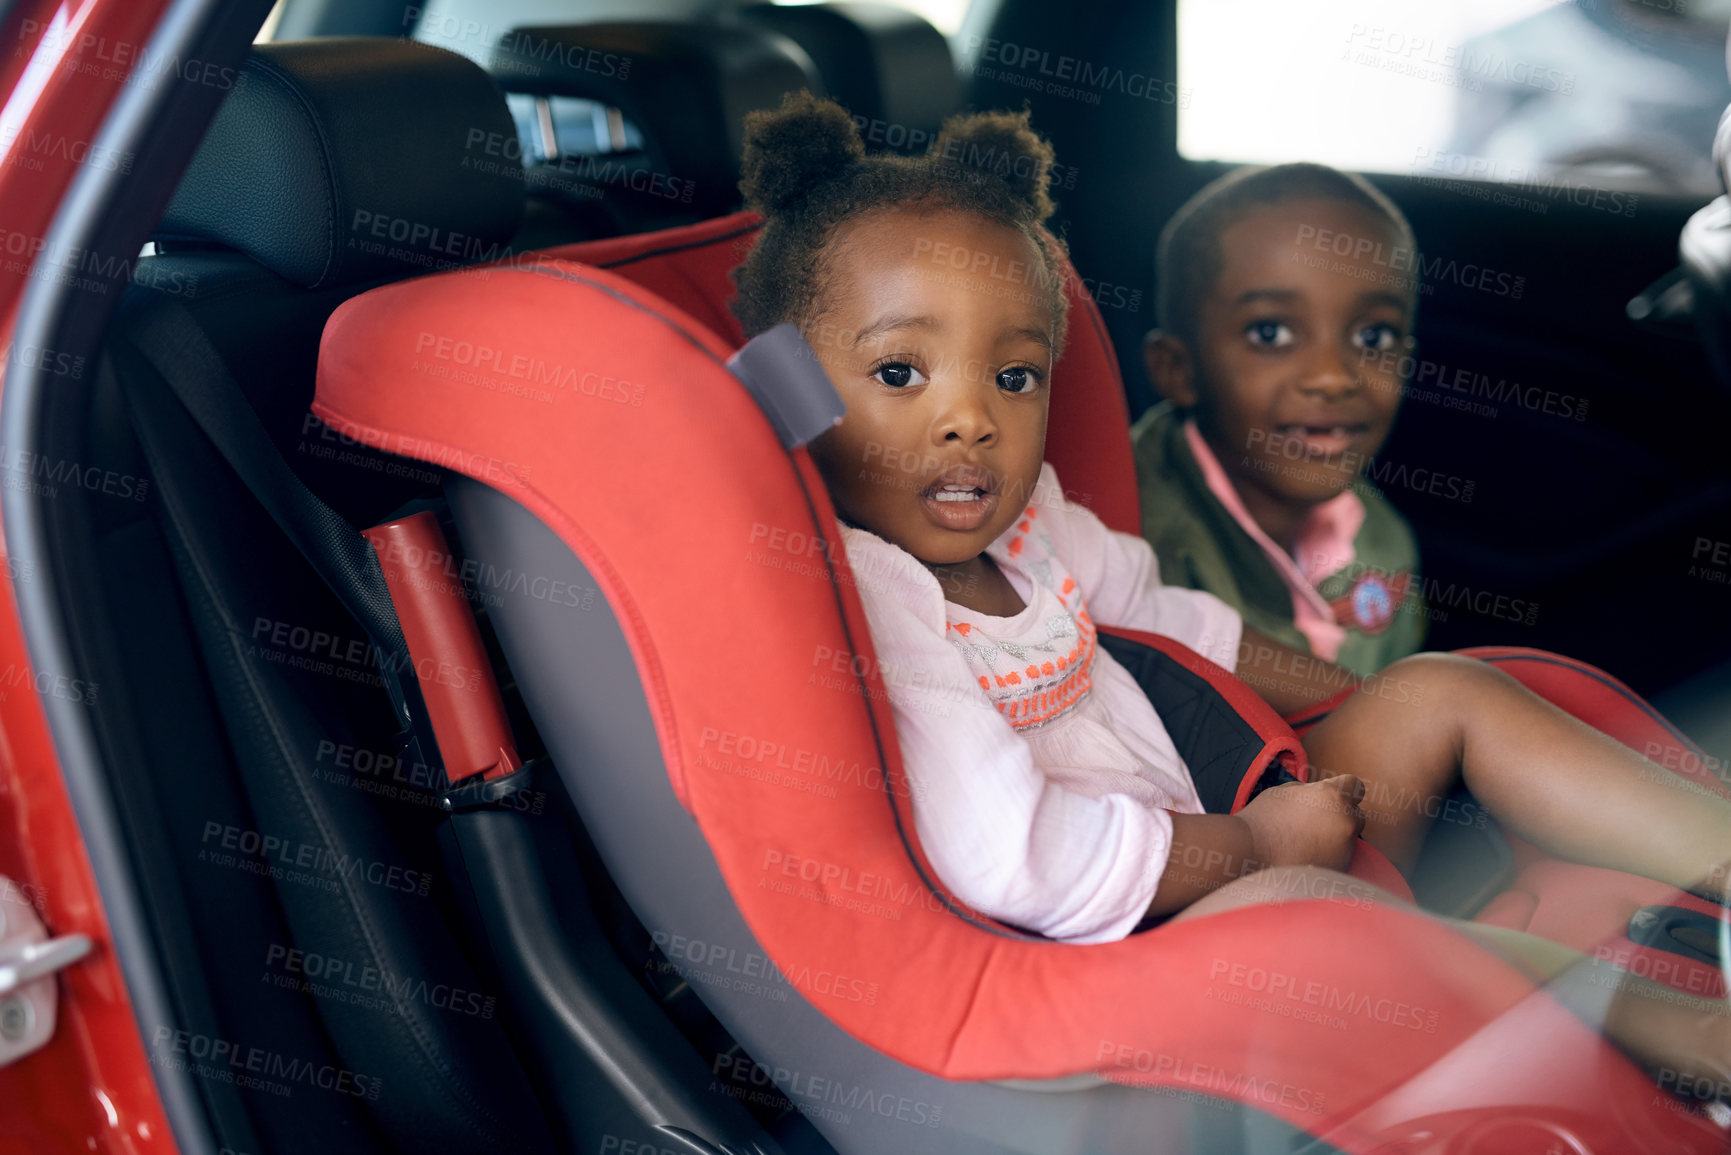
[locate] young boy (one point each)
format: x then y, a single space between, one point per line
1280 290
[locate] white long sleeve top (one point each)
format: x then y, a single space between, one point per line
1041 776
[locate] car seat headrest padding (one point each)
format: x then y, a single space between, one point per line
611 417
686 87
350 158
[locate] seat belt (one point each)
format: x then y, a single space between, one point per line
182 355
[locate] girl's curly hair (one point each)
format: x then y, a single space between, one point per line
805 169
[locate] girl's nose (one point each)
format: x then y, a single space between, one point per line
966 416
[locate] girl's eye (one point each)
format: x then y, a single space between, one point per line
1379 338
1018 379
898 374
1269 334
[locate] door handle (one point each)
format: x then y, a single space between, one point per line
28 961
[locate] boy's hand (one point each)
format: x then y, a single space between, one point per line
1307 823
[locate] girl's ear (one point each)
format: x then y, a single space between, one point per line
1170 368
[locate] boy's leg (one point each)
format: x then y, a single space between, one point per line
1549 777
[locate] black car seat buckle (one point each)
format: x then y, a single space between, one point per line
510 792
1678 930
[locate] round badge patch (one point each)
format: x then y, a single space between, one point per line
1372 602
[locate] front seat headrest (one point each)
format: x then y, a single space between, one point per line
686 87
349 158
887 66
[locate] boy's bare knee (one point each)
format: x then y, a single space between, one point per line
1435 675
1435 664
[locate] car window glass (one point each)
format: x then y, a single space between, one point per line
1613 93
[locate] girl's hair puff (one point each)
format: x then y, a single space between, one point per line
807 172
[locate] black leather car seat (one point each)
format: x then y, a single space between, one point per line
287 853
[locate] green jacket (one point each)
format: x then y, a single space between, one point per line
1200 545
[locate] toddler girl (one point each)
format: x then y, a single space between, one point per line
1047 791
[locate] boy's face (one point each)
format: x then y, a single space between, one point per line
1293 379
937 333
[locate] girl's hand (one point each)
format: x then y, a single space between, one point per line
1307 823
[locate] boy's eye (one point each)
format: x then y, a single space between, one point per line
1018 379
898 374
1269 334
1378 338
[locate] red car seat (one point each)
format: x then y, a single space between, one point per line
719 719
1088 442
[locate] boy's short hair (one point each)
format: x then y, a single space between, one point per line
1188 260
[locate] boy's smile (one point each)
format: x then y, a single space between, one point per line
943 360
1287 376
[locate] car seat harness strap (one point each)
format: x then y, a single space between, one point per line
185 359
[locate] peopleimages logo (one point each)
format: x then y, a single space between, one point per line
357 659
1463 65
524 367
843 879
1326 996
88 269
820 1096
1523 186
1216 1081
1421 373
327 976
231 1062
98 57
29 148
1404 268
724 749
278 851
1071 77
715 956
43 358
1387 474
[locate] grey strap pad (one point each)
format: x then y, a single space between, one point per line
787 381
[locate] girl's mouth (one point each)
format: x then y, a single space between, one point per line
962 498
